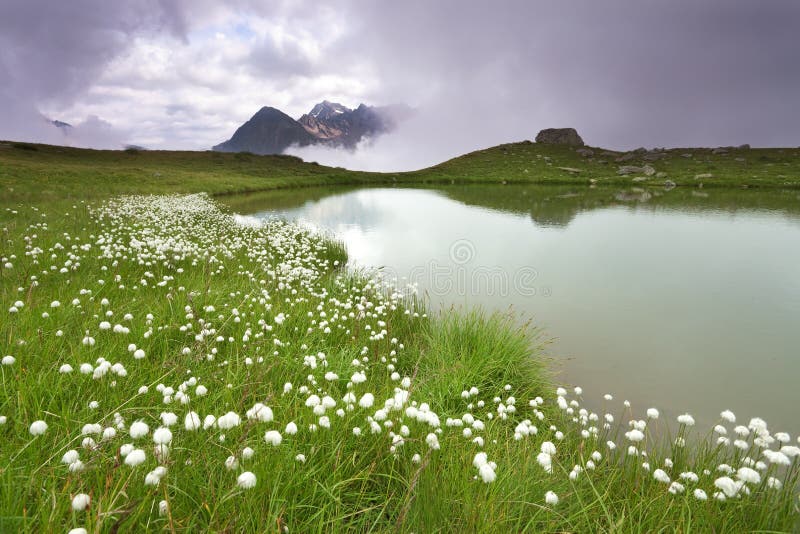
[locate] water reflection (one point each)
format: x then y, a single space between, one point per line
684 301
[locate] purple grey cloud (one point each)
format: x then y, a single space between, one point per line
624 72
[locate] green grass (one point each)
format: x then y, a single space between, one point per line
36 173
346 483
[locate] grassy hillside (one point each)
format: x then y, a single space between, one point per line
29 172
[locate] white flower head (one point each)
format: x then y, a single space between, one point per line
246 480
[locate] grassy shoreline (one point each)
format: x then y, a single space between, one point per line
63 172
184 261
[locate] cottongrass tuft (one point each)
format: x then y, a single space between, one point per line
686 419
135 457
38 428
661 476
246 480
273 437
80 502
139 429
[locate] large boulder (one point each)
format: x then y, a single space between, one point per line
559 136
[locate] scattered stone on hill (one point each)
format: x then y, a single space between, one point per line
686 155
745 146
720 150
703 175
585 152
661 174
669 184
569 169
640 179
626 157
559 136
647 170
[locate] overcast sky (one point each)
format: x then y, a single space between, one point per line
184 74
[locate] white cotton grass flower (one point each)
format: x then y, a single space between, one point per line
247 453
38 428
153 478
192 421
547 447
728 486
246 480
80 502
65 369
661 476
689 476
291 428
135 457
260 412
776 457
231 463
138 429
162 436
229 420
746 474
634 435
300 458
545 461
71 456
686 419
168 418
273 437
367 400
676 488
652 413
551 498
791 451
486 469
700 495
728 416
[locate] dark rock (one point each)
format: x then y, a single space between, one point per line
270 131
559 136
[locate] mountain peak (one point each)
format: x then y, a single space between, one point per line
271 131
326 109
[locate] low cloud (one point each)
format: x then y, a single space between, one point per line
184 75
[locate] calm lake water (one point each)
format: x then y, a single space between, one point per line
681 300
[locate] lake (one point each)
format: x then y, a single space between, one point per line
684 300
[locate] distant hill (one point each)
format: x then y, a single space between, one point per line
270 131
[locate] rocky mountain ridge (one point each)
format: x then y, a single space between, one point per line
270 131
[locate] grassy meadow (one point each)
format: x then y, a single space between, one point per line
166 367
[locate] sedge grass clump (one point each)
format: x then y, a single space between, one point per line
231 376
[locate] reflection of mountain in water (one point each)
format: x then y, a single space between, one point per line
552 206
